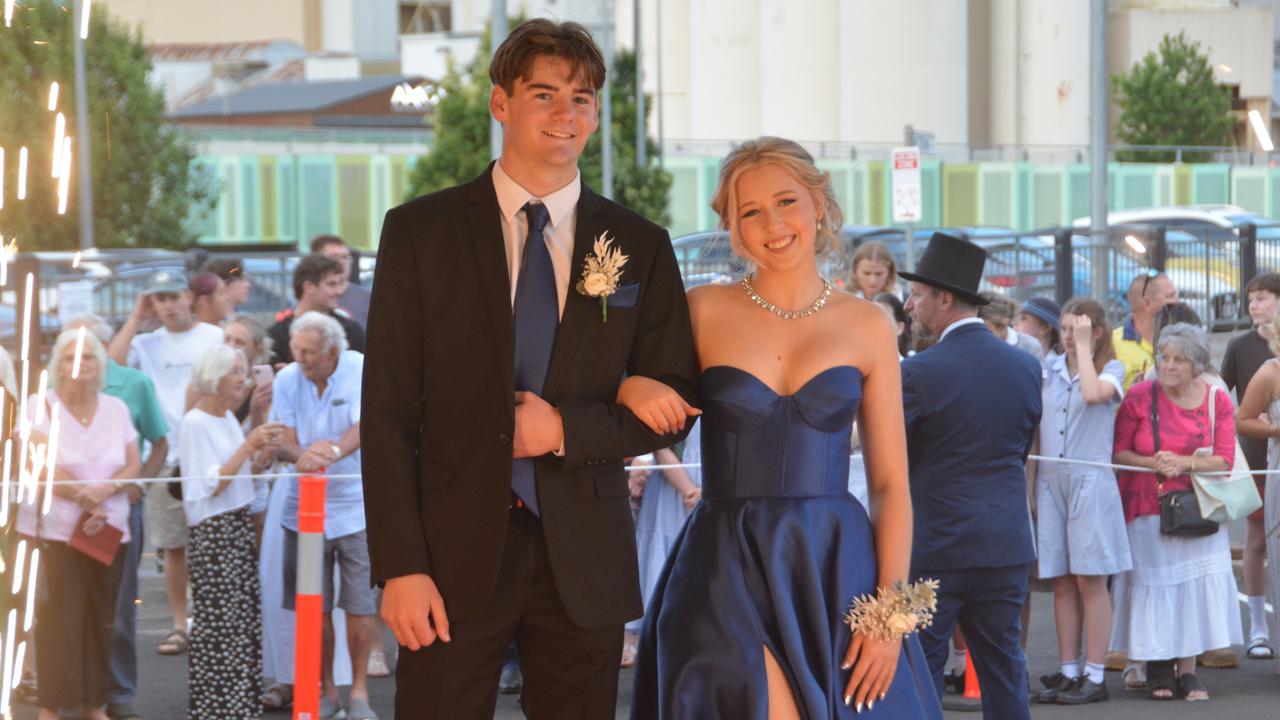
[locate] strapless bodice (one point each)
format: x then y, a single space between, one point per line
757 443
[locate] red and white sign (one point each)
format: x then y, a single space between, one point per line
907 205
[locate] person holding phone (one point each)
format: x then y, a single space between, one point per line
219 461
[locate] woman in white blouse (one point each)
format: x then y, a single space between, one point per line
218 462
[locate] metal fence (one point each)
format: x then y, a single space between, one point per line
1208 265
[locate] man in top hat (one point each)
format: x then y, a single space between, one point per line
972 408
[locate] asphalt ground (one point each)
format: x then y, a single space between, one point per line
1251 692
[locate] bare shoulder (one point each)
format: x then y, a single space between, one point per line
863 316
707 298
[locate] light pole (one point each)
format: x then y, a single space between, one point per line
606 116
640 128
82 129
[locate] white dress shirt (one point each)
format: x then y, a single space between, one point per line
562 210
956 324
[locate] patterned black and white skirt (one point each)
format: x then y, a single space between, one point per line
225 660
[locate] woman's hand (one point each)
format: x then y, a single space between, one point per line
223 484
260 398
97 520
91 496
655 404
692 497
874 664
264 435
1170 465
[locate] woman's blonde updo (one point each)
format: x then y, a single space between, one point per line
799 164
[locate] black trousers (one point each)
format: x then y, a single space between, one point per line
569 673
75 612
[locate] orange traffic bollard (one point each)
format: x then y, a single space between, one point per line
971 689
309 604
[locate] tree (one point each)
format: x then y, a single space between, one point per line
1172 99
460 150
144 188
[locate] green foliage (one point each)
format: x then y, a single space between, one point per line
1172 99
143 185
460 150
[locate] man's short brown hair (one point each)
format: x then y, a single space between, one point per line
313 268
532 39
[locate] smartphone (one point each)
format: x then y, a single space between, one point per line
262 374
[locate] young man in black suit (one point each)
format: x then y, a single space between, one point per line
496 496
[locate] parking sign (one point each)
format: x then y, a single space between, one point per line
907 207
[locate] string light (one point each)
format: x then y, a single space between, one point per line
75 366
53 96
59 133
84 19
64 180
22 173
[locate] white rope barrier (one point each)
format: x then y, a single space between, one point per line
347 477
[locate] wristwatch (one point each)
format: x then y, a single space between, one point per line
337 451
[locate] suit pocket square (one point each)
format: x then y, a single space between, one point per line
626 295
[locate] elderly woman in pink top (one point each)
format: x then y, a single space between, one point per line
96 442
1180 598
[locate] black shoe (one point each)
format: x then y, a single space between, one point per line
953 682
1053 693
511 681
1086 692
122 711
1051 681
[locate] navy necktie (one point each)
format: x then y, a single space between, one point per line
537 315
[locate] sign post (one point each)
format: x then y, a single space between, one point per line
907 205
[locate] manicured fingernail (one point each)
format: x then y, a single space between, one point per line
848 700
846 666
858 707
871 704
882 695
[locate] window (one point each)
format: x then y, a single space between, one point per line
424 16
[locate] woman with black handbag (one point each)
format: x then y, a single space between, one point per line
1180 598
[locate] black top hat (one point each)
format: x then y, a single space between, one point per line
952 264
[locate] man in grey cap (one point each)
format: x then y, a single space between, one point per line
166 355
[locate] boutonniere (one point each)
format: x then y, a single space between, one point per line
601 272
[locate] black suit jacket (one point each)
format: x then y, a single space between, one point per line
438 411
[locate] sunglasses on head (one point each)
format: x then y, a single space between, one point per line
1149 273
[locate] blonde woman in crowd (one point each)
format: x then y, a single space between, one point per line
96 442
873 271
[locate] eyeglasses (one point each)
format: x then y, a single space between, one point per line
1149 273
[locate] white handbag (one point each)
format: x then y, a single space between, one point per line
1224 498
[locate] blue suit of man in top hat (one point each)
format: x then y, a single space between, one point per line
972 408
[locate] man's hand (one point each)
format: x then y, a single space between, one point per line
319 455
142 308
414 610
539 429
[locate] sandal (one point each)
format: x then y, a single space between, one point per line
1160 681
175 643
1135 677
1260 649
277 697
1188 683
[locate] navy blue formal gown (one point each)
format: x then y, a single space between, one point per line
771 557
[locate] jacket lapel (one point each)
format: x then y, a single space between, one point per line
484 228
578 308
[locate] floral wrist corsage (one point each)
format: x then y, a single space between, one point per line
894 612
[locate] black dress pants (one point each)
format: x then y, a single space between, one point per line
569 673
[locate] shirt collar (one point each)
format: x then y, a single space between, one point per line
959 323
1011 337
1058 364
1131 331
512 196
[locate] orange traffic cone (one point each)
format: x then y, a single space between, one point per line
971 699
971 689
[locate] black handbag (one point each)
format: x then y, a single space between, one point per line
1179 509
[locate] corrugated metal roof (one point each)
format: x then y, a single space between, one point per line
198 52
292 97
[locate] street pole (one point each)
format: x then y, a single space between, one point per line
1098 91
606 119
497 33
640 124
82 142
662 103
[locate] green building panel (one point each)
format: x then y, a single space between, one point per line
961 195
1210 183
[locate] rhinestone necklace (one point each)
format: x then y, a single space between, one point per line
788 314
